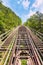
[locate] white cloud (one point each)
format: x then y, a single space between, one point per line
37 3
41 9
31 13
25 3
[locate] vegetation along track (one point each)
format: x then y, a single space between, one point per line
26 48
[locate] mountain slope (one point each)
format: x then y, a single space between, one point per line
8 19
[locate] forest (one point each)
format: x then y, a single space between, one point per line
8 19
35 22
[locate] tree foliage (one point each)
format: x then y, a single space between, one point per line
8 19
35 21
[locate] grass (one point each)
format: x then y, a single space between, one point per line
23 62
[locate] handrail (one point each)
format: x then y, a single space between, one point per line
39 34
4 34
41 37
2 39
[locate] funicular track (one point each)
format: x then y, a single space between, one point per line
26 49
23 47
22 44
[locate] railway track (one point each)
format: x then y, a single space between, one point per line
21 45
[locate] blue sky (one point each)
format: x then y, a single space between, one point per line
24 8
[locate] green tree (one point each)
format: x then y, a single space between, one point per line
8 19
35 21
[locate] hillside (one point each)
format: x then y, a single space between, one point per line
35 22
8 19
